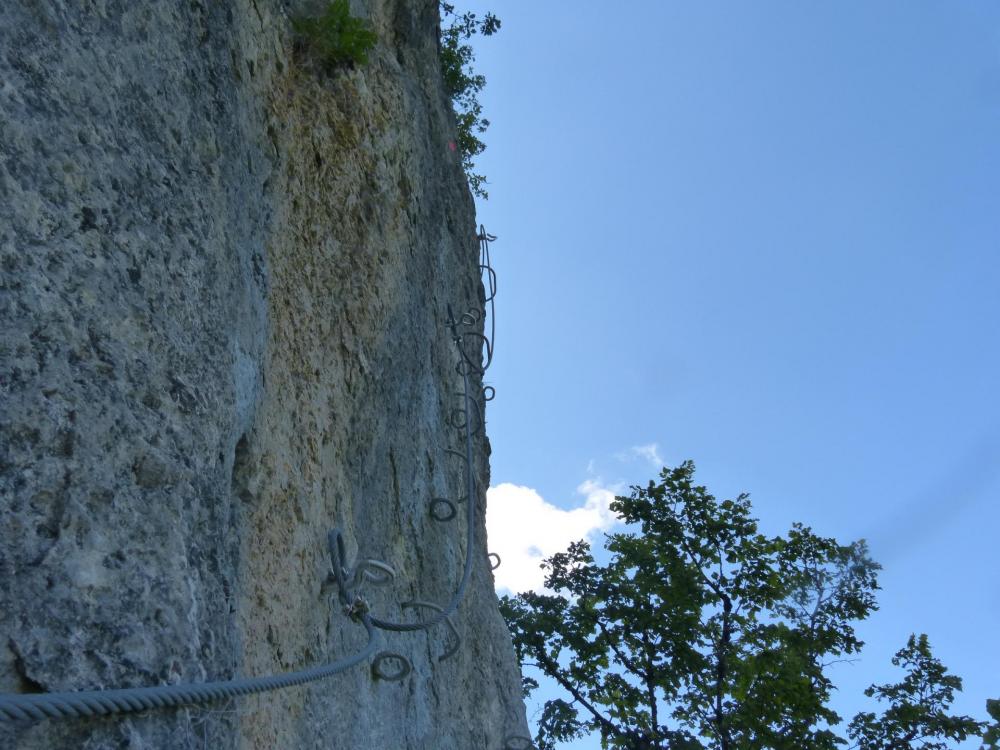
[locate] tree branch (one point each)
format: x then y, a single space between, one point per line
551 668
626 660
650 685
721 671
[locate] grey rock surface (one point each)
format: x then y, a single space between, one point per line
223 280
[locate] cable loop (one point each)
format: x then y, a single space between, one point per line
363 573
518 742
448 514
379 672
456 636
491 276
485 264
458 454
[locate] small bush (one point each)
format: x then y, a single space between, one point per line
336 38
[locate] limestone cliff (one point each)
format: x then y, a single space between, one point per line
223 283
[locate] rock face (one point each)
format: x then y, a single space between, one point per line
223 283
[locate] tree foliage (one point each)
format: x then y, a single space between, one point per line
463 84
991 735
918 706
700 632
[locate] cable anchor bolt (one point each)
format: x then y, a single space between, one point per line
357 608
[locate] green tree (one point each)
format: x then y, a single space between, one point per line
463 84
700 632
918 706
991 735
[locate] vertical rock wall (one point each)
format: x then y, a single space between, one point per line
223 280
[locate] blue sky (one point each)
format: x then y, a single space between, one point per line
764 237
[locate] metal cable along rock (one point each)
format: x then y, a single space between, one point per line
466 420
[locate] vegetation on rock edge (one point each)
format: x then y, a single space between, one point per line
463 85
336 37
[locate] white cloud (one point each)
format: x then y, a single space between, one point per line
523 528
649 453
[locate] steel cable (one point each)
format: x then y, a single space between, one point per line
470 512
64 704
122 700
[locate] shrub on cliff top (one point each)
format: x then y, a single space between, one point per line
336 37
